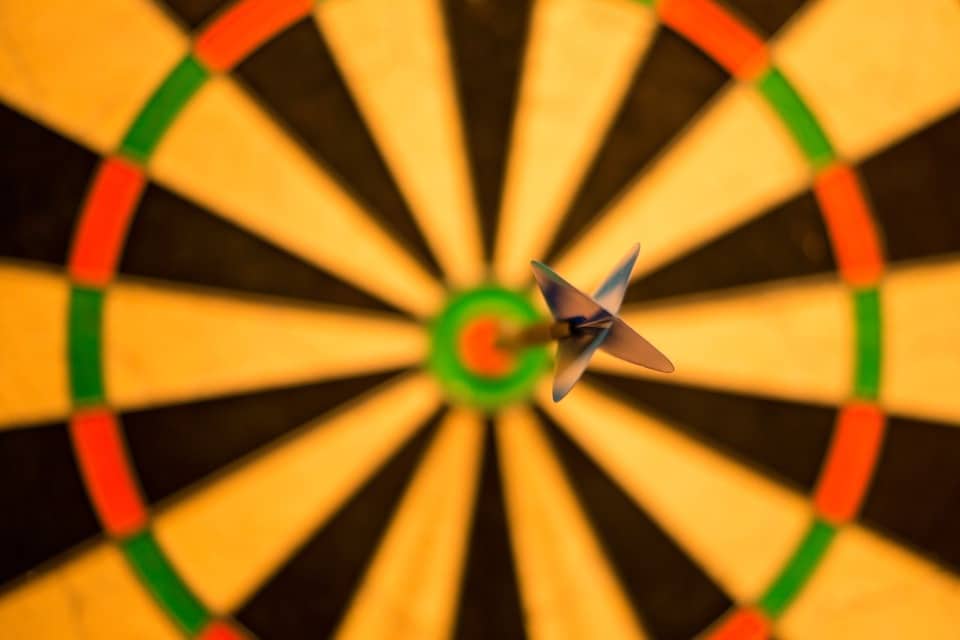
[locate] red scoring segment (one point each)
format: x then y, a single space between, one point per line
102 228
744 624
478 349
852 231
220 630
106 471
245 26
721 35
849 465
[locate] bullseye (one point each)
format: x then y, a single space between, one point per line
478 349
464 355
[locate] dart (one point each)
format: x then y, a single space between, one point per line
582 324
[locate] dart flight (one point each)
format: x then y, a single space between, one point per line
582 324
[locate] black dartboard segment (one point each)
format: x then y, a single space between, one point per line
915 192
915 494
44 503
768 15
487 42
315 587
671 85
43 181
297 78
175 446
490 604
173 239
673 596
790 241
786 440
196 12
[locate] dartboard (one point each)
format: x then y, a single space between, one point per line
256 257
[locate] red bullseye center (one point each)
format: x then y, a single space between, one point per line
478 350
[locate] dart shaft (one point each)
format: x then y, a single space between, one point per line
534 335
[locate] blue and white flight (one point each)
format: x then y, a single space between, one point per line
586 323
